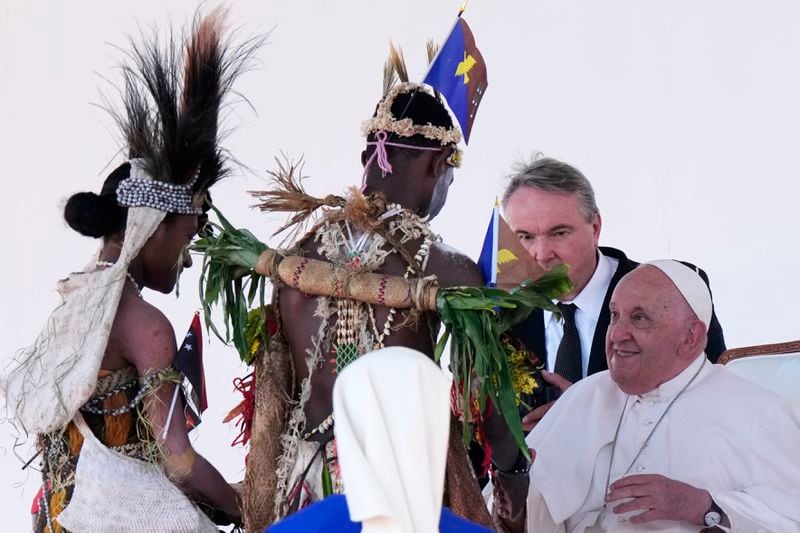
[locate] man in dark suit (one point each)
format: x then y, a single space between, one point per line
551 207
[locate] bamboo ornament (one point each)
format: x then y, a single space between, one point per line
323 278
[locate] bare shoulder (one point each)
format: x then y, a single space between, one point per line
144 336
452 267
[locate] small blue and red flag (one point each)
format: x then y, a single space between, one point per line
189 362
459 73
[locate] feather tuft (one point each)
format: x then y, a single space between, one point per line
432 48
173 91
389 76
398 62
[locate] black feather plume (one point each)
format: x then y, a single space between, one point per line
173 94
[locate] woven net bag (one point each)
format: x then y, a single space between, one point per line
118 494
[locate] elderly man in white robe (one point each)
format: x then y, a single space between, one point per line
663 440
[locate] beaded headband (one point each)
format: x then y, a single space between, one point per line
141 190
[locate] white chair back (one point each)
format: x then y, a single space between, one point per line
777 370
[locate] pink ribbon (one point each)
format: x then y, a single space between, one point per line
380 145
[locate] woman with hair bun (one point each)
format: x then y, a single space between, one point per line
98 387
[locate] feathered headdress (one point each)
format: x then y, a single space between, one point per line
170 121
171 109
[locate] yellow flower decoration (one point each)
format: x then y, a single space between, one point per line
255 331
521 378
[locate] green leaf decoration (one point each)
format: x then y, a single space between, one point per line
228 279
474 319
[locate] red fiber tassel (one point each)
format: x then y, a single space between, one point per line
245 410
454 405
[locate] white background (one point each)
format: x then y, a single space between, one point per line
683 114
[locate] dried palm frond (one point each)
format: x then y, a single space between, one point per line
288 195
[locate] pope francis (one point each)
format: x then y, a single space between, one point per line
664 440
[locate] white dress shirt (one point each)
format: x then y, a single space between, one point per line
589 303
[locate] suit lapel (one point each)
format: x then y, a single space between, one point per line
597 358
531 332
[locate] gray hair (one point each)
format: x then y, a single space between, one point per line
551 175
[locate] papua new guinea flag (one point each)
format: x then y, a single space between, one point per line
189 362
459 73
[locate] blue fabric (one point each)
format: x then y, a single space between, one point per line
331 514
451 523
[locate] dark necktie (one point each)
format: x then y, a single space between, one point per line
568 359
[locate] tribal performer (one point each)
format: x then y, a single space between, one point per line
408 162
98 386
370 274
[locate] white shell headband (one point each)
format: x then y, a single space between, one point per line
141 190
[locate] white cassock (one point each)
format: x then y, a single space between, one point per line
723 434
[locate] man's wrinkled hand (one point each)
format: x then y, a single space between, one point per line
530 420
661 498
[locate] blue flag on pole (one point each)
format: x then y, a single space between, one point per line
459 73
487 262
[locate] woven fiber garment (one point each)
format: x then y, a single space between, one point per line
117 494
48 382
